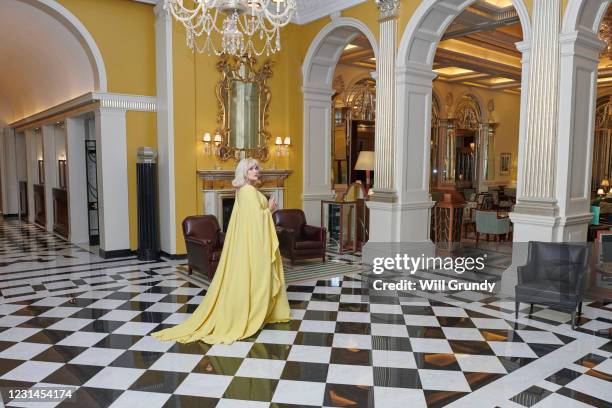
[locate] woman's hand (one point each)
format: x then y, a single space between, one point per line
272 204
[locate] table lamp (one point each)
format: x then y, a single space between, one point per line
365 161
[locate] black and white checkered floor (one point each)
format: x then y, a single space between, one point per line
346 346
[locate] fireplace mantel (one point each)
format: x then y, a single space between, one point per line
216 186
267 176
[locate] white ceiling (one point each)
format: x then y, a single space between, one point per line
42 64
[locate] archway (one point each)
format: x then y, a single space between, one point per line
49 58
580 57
35 75
317 73
414 107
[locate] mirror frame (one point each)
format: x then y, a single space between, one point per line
230 69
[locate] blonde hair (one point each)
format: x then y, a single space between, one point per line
240 178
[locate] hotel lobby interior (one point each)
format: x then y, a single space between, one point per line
442 130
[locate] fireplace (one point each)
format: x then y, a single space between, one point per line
219 195
227 205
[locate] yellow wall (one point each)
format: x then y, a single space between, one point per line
124 31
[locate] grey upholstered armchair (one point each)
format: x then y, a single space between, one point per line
554 276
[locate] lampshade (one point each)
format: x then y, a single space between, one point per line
287 141
600 191
605 183
218 138
365 161
279 140
206 137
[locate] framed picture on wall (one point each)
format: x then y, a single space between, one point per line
504 164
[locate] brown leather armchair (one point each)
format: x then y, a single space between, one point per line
296 239
204 241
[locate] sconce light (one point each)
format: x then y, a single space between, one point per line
61 166
279 146
473 146
207 148
41 171
600 192
218 139
286 143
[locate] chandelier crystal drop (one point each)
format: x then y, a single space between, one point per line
233 27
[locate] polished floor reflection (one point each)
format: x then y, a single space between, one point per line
345 347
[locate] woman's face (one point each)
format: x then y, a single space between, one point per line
253 173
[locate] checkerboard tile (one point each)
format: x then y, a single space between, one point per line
345 346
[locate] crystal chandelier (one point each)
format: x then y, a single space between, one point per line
242 24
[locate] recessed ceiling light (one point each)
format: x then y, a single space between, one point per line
452 71
499 3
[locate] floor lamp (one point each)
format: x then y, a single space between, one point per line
365 161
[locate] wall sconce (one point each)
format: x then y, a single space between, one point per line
61 166
286 143
600 192
207 148
218 139
473 146
279 146
41 171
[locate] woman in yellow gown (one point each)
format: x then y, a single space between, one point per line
248 289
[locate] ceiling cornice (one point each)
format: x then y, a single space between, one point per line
308 10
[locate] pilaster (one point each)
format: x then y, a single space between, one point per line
50 166
77 180
112 181
165 130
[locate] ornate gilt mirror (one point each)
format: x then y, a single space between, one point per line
243 97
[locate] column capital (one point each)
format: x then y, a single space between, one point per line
389 9
161 11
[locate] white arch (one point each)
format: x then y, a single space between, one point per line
74 25
317 78
414 90
584 15
429 22
325 50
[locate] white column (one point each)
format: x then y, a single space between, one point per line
49 156
317 152
385 102
400 206
535 215
31 170
165 130
112 182
412 172
10 202
77 180
384 212
579 60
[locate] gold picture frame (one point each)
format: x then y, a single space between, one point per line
243 98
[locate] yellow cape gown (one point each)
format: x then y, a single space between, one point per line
248 288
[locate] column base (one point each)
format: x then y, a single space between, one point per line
311 204
398 229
